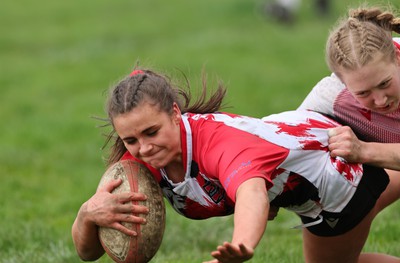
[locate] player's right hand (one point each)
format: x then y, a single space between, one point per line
344 143
110 210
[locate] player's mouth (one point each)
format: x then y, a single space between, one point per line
154 160
388 108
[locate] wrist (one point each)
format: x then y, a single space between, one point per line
366 153
85 216
373 154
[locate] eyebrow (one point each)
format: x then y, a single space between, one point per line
148 129
142 132
128 138
384 80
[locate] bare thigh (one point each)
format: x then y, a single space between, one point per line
347 248
392 191
344 248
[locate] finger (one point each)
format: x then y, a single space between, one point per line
131 196
247 253
129 218
341 156
216 254
231 249
245 250
332 146
138 196
332 132
336 152
224 253
339 148
345 132
110 186
332 153
335 145
219 257
124 229
131 208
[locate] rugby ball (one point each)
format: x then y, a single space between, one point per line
141 248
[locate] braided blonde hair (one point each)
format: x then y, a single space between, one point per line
357 39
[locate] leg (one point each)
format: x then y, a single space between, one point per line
392 191
344 248
390 195
347 247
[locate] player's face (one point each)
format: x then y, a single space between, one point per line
377 85
151 135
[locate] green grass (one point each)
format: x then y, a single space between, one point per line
57 59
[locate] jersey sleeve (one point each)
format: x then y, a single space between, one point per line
232 162
323 95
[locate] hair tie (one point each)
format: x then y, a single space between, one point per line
136 72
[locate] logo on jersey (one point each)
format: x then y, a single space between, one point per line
366 113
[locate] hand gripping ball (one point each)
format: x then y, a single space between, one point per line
141 248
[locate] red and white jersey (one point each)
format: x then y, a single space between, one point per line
289 150
331 97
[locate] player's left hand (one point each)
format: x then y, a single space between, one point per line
230 253
344 143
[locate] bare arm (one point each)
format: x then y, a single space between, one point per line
386 155
251 212
344 143
108 210
85 236
250 221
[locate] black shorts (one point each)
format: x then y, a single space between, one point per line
373 182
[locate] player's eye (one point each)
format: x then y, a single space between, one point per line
362 94
384 84
152 133
130 141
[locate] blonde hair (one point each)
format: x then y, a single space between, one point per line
357 39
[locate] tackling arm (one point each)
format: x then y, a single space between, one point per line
344 143
386 155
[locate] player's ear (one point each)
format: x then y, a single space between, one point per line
176 113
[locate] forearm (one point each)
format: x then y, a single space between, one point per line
85 237
251 212
386 155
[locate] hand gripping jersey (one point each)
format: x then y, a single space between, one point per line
289 150
331 97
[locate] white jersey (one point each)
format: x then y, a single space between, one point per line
289 150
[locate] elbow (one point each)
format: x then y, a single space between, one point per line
86 241
88 250
89 255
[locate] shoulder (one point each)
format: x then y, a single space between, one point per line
323 95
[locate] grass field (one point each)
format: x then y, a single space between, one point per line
57 60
